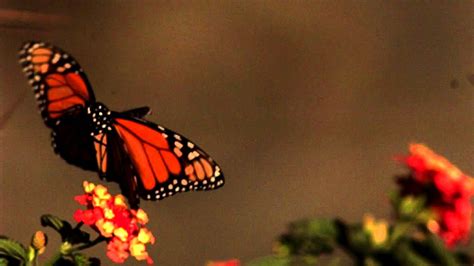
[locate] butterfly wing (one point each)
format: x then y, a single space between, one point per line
164 162
59 83
114 164
72 141
62 91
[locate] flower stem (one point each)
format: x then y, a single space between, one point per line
78 225
90 244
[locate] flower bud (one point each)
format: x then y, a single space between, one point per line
39 242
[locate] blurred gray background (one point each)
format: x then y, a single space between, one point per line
303 104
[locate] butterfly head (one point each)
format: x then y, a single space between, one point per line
100 118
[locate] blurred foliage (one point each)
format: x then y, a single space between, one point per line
306 240
74 240
431 216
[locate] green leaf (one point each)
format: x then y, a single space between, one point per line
404 255
368 261
11 251
78 236
269 261
464 258
410 207
61 226
53 221
81 259
68 234
310 237
400 230
64 261
359 240
433 248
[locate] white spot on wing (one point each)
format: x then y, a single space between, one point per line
178 144
56 58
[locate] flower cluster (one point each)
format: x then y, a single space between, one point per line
122 227
448 192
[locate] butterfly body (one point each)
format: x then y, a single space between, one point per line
147 160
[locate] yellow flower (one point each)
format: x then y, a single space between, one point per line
378 230
101 192
101 203
106 228
109 213
119 200
142 217
138 250
88 187
121 233
145 236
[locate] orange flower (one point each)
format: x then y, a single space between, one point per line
117 250
39 242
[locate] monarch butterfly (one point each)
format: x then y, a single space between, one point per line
147 160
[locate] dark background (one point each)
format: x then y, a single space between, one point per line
303 104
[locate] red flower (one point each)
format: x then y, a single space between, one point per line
88 217
82 199
110 216
447 189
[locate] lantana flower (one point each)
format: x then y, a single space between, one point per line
110 216
448 192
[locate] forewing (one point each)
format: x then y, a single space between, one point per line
59 83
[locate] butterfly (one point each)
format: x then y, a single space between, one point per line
147 160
